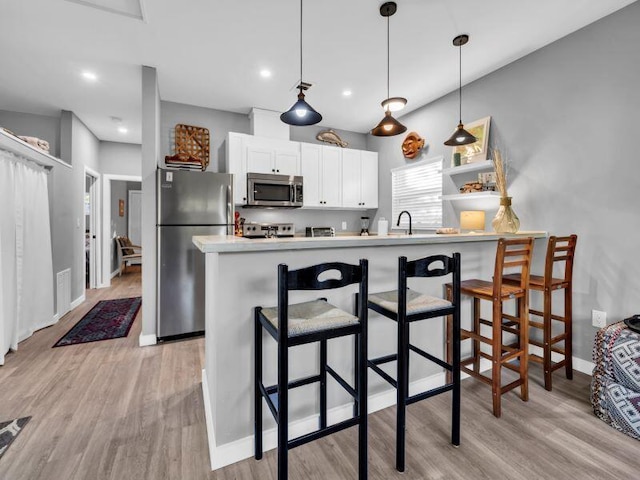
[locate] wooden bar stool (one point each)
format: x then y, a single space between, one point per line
510 255
406 306
560 251
302 323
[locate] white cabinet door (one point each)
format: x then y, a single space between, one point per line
331 195
351 179
287 161
369 179
260 159
310 168
236 165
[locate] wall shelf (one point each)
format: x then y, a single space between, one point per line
469 167
14 145
474 201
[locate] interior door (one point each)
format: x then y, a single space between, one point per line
134 226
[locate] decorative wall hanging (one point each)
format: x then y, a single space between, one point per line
329 136
476 151
412 145
121 207
191 147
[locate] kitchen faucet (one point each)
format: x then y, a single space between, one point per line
399 216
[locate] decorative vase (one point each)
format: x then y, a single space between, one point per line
505 221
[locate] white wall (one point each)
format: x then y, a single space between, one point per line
563 117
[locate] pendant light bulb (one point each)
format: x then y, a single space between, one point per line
460 136
301 113
389 126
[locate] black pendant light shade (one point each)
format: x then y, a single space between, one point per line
389 126
460 136
301 113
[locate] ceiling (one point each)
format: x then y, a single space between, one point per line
209 53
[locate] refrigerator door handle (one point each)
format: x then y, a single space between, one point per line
230 207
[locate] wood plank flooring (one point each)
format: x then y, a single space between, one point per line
113 410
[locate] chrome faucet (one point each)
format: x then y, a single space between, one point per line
399 216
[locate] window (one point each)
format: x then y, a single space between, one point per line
417 188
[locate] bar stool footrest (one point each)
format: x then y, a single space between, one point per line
382 373
343 383
429 393
310 437
430 357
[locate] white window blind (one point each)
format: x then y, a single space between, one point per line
417 188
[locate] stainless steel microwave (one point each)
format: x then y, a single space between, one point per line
268 190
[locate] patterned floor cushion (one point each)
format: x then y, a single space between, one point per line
615 386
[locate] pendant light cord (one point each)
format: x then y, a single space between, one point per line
300 46
388 57
460 82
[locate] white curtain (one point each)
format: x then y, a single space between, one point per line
26 300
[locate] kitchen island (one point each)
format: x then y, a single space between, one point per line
242 273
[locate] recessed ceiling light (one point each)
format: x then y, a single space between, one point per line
123 129
264 73
89 76
347 93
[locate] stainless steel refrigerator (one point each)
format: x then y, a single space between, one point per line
189 203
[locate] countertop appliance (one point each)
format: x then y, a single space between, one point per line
188 203
269 190
267 230
320 232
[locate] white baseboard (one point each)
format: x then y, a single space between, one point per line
115 272
78 301
582 366
55 319
147 340
238 450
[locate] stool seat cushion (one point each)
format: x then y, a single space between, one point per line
310 317
416 301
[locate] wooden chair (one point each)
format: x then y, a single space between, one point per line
405 307
126 253
309 322
560 252
511 254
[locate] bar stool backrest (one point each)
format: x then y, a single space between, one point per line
512 256
308 278
560 250
432 266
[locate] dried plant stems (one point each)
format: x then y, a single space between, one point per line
501 174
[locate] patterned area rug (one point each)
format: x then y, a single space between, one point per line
9 431
107 319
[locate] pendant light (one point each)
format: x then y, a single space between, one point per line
389 126
460 136
301 113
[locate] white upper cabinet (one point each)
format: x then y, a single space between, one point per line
321 173
360 179
250 154
333 177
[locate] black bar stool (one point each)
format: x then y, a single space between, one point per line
314 321
406 306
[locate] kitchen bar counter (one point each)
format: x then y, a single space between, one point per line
242 273
230 243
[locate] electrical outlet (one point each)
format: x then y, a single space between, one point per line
598 318
344 225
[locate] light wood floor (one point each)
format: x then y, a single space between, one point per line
112 410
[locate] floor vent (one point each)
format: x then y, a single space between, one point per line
63 283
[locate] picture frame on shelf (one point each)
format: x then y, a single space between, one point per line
477 151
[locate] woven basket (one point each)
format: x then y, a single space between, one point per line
191 148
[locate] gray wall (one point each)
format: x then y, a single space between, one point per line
563 117
46 128
218 122
120 158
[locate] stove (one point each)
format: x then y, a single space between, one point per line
268 230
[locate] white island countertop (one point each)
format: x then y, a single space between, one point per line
230 243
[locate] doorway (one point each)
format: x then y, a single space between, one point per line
90 244
121 216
